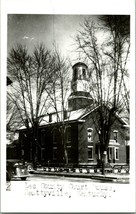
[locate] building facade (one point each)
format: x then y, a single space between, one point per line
81 139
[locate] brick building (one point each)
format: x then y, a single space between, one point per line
81 138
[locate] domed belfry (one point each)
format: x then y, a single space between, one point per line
80 96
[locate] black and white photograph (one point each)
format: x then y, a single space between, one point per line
68 111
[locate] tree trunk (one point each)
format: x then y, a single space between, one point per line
63 134
103 168
66 156
105 157
104 161
35 145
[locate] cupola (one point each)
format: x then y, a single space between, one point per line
80 96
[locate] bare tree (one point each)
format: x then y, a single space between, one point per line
107 50
118 26
31 77
58 93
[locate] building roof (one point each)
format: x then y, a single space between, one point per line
58 117
72 116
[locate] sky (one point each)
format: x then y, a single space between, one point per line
30 30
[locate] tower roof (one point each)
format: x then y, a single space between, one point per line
79 64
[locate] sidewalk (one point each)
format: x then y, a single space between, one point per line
108 177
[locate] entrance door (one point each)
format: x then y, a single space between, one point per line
127 154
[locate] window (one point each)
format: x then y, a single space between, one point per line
116 153
68 141
43 137
110 153
127 140
65 114
54 153
84 74
22 152
75 74
115 135
90 131
69 152
31 143
79 73
55 136
90 152
50 118
113 153
42 154
68 135
31 154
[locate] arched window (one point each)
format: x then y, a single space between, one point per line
75 74
84 73
80 76
115 135
89 133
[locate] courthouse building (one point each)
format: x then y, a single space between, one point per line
81 138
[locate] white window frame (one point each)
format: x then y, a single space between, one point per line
89 140
115 131
110 156
90 147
